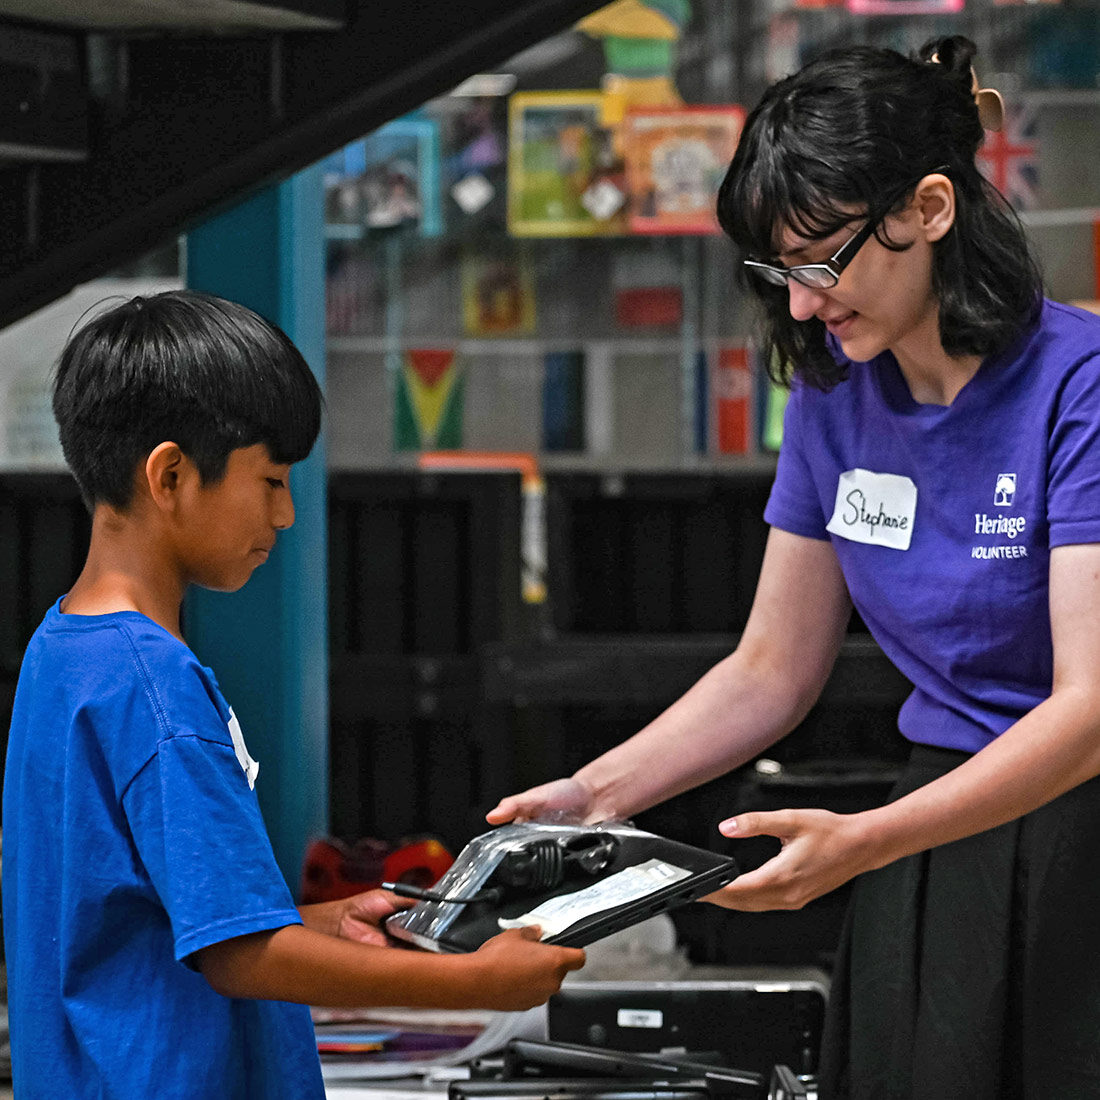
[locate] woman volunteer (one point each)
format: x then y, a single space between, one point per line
940 471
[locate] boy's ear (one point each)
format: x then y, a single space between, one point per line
166 468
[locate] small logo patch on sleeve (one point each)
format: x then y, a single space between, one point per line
251 767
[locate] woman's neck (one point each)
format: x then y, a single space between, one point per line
933 376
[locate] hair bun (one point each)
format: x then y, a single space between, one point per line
954 53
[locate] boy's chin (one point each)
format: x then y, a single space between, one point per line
225 584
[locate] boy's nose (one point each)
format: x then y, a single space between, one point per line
803 301
284 511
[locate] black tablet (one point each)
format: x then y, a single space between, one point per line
579 883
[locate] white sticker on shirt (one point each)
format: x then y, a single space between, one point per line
251 767
877 509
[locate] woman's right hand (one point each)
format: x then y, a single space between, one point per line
514 972
568 799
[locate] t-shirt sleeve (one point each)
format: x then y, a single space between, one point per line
793 504
197 827
1073 475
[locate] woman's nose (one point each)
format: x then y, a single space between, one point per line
804 301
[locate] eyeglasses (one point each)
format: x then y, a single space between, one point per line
820 276
825 275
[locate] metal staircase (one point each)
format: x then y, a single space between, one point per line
122 121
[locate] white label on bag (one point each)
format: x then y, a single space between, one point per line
640 1017
558 914
877 509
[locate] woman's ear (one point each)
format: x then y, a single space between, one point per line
166 467
935 203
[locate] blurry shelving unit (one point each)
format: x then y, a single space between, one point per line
424 570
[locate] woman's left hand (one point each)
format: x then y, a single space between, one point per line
821 851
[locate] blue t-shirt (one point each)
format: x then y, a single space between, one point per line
943 518
133 838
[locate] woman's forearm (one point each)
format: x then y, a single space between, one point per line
748 701
743 705
1052 749
735 712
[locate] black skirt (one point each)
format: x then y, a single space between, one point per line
973 970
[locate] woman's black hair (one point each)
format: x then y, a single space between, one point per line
184 366
858 128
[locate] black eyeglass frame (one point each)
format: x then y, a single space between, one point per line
828 272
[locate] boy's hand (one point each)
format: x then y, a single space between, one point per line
364 913
357 918
515 972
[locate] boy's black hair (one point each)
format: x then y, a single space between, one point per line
184 366
855 128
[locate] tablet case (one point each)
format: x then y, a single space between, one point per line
452 926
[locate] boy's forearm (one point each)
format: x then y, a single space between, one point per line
298 963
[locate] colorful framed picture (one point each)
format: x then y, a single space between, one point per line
904 7
498 292
386 180
475 155
675 160
564 179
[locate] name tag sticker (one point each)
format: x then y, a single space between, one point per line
877 509
251 767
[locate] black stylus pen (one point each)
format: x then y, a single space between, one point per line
406 890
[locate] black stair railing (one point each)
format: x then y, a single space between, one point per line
182 125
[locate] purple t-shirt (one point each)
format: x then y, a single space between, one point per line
943 518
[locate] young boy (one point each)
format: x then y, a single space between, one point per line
151 940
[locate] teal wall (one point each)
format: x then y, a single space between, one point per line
268 643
